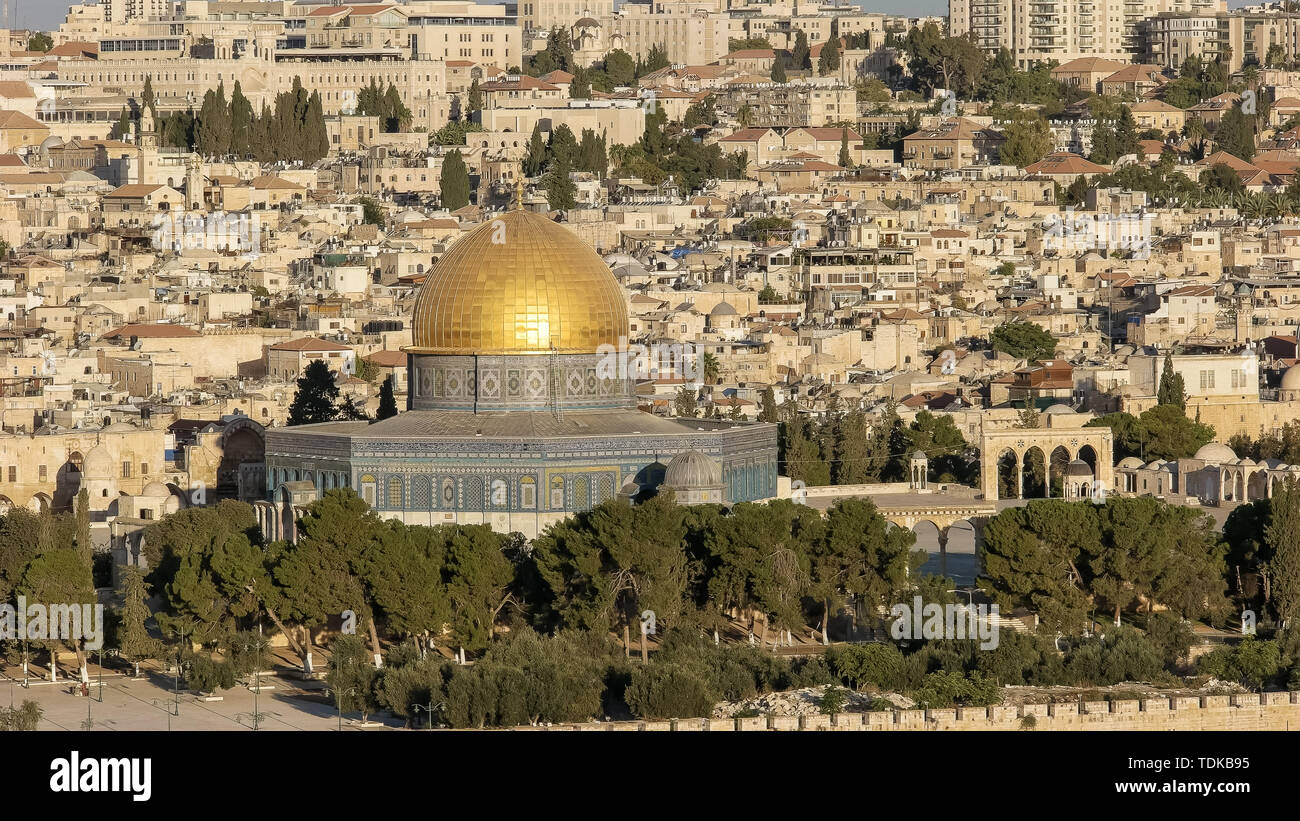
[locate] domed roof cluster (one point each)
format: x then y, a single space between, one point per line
692 469
519 284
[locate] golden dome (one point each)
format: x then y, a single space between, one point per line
518 284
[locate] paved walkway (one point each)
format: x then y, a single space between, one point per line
149 703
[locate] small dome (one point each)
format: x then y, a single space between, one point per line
919 456
1215 452
1078 469
119 427
98 463
1129 463
1246 461
692 469
1291 379
723 309
1059 408
156 490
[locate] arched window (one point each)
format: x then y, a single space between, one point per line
499 494
528 492
395 492
557 493
368 489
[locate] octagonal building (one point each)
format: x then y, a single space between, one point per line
516 417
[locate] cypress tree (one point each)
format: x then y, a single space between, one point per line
147 99
84 547
241 122
387 402
829 60
778 70
316 143
454 181
561 193
845 159
536 157
122 128
475 97
802 56
1171 390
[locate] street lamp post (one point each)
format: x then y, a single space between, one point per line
429 708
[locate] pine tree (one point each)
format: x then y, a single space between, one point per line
768 411
133 639
387 402
454 181
316 395
778 70
1171 390
845 160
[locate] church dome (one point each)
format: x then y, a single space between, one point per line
519 284
692 469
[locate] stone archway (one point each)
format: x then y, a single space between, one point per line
994 444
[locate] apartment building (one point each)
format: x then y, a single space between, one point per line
1061 30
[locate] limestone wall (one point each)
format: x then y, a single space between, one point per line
1251 711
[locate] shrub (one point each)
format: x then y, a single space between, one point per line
878 665
668 691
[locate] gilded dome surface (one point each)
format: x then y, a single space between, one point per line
518 284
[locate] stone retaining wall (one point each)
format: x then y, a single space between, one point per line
1249 711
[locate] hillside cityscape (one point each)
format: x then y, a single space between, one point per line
682 366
